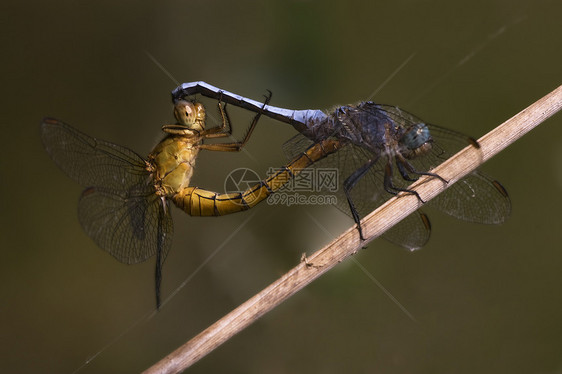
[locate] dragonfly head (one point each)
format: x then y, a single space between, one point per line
416 141
191 115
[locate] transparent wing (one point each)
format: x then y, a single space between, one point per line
127 227
295 146
412 232
91 161
475 198
119 208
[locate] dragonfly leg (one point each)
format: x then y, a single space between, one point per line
391 188
225 129
237 146
404 172
348 185
404 165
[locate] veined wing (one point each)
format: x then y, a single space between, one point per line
475 198
91 161
131 228
119 208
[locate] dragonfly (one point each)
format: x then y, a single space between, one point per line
381 149
125 206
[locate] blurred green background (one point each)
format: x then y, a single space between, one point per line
485 299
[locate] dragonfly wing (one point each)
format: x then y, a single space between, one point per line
475 198
412 232
119 208
163 243
91 161
130 227
296 146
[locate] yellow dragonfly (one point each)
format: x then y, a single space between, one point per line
125 206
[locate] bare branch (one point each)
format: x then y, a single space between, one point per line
348 243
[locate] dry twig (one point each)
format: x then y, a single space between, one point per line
348 243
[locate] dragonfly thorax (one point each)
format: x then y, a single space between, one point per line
172 162
365 126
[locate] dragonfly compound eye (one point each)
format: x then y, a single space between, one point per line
191 115
416 140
